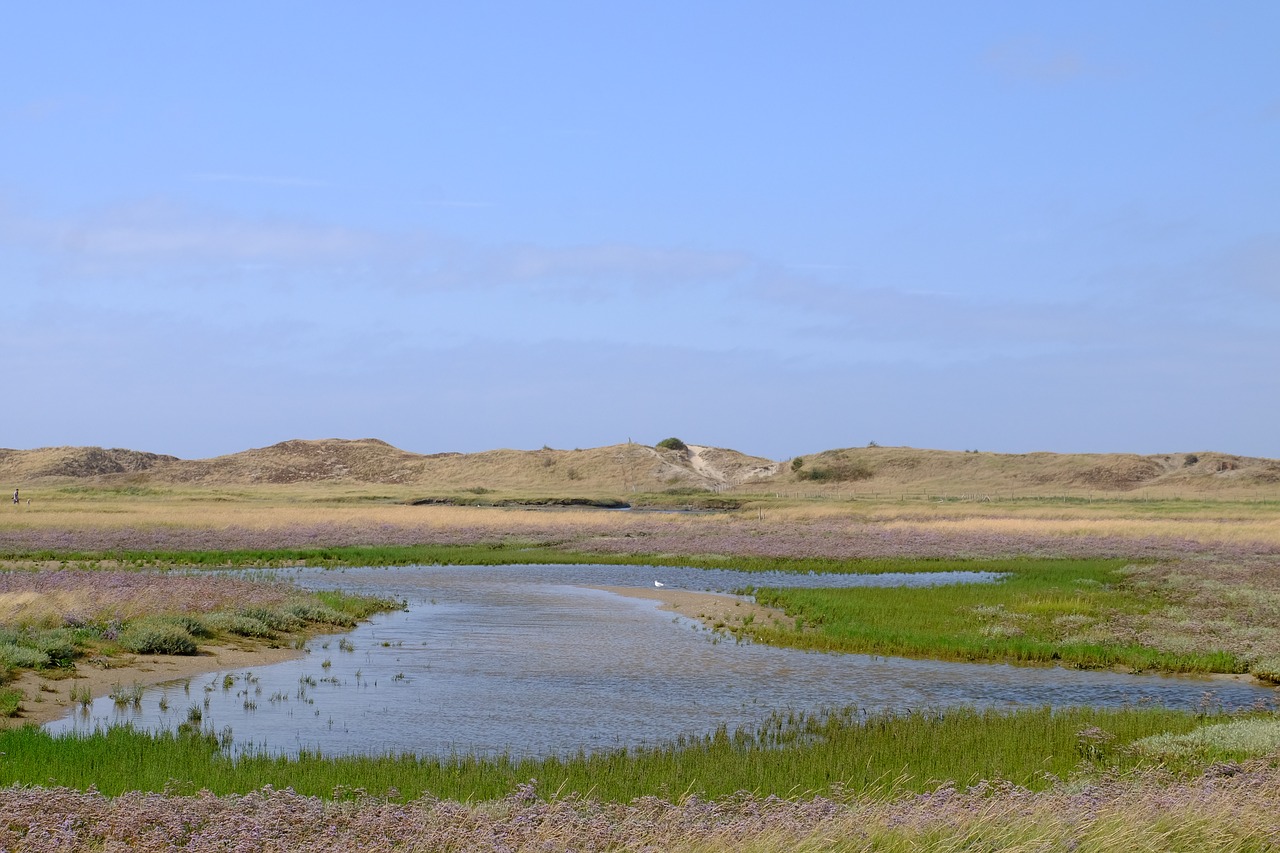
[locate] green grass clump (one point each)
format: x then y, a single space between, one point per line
354 607
10 702
16 656
239 625
791 755
276 619
59 645
154 637
37 649
320 613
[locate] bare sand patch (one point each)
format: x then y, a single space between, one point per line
716 610
48 693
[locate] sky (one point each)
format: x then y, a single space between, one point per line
776 227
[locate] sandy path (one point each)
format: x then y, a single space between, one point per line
48 694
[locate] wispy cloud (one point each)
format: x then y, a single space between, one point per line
161 237
447 203
159 233
266 180
1033 59
36 111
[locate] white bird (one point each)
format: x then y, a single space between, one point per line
659 583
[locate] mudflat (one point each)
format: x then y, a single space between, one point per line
49 692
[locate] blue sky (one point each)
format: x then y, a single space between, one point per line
776 227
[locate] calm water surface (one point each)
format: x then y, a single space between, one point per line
527 660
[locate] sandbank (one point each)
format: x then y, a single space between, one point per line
714 609
48 692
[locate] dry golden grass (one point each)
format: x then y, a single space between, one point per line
270 507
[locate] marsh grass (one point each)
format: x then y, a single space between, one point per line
1042 611
794 755
1093 613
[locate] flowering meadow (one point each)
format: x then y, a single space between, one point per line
48 599
625 534
1230 808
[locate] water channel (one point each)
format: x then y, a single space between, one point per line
531 660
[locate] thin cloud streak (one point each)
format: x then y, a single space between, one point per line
1032 59
267 180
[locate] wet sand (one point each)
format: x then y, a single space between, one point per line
716 610
48 693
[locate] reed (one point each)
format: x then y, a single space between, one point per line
793 755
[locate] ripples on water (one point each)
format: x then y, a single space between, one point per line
526 660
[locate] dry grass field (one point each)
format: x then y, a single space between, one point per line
345 514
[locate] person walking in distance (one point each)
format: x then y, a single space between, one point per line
15 496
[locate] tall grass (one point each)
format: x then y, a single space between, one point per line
791 755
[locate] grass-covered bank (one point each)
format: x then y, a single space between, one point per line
1173 616
49 619
793 755
1042 611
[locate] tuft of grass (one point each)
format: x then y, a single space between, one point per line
81 695
11 702
122 695
155 637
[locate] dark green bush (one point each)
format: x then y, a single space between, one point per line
59 645
672 443
837 472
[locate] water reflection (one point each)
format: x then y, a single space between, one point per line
523 659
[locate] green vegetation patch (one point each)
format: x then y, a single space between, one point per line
10 702
795 755
1042 611
157 637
